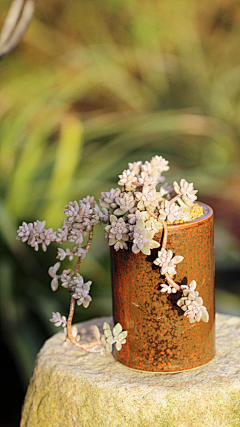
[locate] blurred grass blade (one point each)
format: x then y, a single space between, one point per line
7 229
22 180
67 158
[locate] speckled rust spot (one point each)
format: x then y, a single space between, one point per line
160 337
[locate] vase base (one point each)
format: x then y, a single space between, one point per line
168 372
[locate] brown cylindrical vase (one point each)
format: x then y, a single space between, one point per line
160 338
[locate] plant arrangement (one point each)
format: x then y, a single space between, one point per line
131 216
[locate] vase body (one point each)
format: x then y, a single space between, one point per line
160 338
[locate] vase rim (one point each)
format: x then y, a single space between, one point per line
208 214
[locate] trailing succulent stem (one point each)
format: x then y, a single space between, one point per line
131 217
190 303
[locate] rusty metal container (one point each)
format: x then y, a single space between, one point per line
160 338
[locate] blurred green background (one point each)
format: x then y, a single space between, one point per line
93 85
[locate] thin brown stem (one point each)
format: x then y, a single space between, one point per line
165 229
69 323
152 214
174 199
86 347
77 266
90 237
164 244
86 248
92 344
172 283
165 234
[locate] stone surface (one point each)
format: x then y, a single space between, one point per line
71 388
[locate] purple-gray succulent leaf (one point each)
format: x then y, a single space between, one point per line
118 346
58 320
205 315
54 284
122 335
96 333
52 270
117 329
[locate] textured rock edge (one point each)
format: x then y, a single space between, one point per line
74 389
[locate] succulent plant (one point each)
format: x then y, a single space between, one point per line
108 199
147 198
117 336
142 239
131 217
125 203
117 233
167 261
192 304
128 180
186 192
58 320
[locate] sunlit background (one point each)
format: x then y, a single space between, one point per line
93 85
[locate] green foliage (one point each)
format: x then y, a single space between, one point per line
94 85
